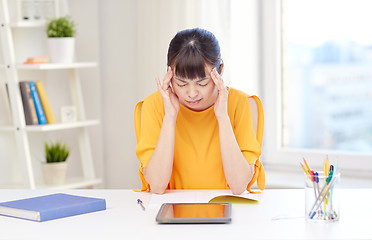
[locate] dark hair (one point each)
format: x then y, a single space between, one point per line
190 50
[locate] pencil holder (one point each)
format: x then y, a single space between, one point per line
322 197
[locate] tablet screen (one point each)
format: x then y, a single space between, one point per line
194 213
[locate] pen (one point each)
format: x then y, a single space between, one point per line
139 201
322 195
313 179
327 188
317 181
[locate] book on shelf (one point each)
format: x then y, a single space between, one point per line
52 206
37 60
45 102
39 108
28 104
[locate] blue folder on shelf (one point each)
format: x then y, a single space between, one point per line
52 206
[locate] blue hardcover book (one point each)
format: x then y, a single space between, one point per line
39 108
52 206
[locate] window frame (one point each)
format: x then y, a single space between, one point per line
274 154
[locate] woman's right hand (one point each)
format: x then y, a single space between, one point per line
170 99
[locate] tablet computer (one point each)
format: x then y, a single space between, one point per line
194 213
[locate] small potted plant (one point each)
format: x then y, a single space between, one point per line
55 167
61 39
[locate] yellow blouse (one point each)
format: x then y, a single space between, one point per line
197 162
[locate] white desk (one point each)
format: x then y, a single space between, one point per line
124 219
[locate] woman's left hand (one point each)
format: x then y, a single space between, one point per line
220 106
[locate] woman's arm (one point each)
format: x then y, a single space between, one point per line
237 171
159 168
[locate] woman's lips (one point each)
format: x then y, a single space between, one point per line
193 102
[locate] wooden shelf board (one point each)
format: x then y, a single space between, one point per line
61 126
51 66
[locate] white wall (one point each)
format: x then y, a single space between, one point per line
86 15
119 90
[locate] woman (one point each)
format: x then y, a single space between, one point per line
195 132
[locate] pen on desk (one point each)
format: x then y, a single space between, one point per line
139 201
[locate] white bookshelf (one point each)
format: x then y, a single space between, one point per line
61 126
24 133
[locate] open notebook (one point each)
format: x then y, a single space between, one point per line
203 196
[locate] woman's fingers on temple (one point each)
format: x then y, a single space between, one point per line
158 83
217 79
214 78
167 79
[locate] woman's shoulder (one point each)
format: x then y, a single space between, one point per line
154 97
237 93
237 97
154 100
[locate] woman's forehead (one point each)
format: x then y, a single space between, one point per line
207 70
189 80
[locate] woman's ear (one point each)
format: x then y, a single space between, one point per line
220 69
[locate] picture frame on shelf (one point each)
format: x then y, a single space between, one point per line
30 11
68 114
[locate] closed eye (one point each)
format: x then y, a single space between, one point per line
203 85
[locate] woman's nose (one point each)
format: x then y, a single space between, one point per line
192 92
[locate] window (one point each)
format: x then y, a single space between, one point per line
327 75
317 58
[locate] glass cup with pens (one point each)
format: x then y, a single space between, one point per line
322 194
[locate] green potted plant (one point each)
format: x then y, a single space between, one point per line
55 167
61 39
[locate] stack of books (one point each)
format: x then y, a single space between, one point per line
37 60
35 103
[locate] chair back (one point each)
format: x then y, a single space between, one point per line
258 125
137 119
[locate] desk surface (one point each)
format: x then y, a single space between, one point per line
124 219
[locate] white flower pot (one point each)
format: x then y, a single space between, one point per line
61 50
54 173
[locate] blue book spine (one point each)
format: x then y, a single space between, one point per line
39 108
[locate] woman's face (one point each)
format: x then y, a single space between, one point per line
196 94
